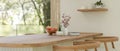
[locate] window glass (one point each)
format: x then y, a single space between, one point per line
19 17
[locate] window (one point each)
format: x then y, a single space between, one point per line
23 16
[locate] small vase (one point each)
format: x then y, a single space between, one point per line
65 31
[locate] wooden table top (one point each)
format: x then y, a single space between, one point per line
38 40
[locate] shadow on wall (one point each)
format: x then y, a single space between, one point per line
95 16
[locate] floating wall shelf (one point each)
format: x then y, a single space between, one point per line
93 10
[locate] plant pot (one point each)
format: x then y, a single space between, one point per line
98 6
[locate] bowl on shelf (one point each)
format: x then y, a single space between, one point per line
51 30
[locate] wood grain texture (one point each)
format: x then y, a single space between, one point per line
93 10
78 46
38 40
106 38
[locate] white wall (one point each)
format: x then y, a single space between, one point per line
106 22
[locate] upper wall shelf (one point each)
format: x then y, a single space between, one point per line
93 10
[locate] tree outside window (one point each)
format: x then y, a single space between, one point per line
18 17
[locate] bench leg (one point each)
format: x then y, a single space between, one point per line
113 46
95 49
86 50
75 49
106 48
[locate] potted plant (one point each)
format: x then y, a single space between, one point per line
99 4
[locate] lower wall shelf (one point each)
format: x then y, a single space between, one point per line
93 10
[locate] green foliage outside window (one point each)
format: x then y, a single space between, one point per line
24 16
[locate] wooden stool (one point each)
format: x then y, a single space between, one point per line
106 39
77 46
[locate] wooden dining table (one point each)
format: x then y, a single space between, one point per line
39 42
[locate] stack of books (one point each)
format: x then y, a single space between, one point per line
74 33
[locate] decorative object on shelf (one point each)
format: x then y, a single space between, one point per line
97 7
65 24
99 4
51 30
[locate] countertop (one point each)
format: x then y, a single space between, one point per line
38 40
